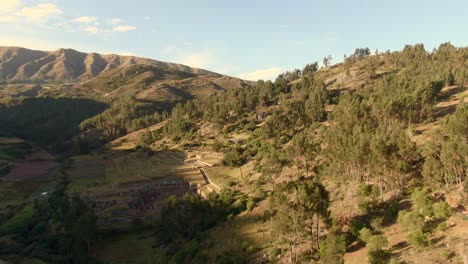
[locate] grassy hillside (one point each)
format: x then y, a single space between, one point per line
72 101
20 65
359 162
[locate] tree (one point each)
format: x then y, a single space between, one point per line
314 201
327 61
271 167
446 159
86 229
287 219
333 247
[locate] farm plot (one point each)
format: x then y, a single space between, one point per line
123 186
20 161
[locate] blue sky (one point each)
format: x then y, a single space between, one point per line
249 39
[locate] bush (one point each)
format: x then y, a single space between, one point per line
377 223
368 197
217 146
365 234
442 226
250 249
377 253
377 242
422 202
418 239
442 210
332 249
411 221
250 204
391 211
234 158
377 256
356 226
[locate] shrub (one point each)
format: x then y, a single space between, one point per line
422 202
442 210
377 256
368 197
234 158
250 204
365 234
377 253
411 221
418 239
332 249
442 226
250 249
391 212
217 146
355 227
377 223
377 242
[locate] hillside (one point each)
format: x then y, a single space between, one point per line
119 94
18 65
359 162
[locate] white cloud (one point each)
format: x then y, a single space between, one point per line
7 19
123 28
199 60
114 21
264 74
40 12
92 30
86 20
9 5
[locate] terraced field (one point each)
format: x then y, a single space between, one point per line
126 185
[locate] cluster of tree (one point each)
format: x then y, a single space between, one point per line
47 121
182 222
423 218
365 138
299 109
359 53
299 209
357 145
446 156
124 115
60 229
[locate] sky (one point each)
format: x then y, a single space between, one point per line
254 39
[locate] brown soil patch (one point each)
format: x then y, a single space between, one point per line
27 170
7 141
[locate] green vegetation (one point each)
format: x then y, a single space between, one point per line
313 164
196 215
47 121
56 229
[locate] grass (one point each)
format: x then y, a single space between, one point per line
131 246
12 193
6 156
100 173
246 229
19 219
21 260
223 175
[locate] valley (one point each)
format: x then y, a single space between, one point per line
149 162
